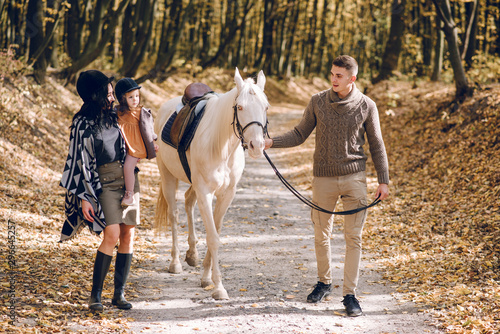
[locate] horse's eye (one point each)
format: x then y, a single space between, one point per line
240 108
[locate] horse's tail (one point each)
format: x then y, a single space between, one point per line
161 215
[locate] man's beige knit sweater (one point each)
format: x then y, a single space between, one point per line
340 125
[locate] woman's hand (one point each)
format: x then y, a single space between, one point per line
88 211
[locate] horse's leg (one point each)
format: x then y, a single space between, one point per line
221 205
173 214
206 278
169 186
192 254
212 259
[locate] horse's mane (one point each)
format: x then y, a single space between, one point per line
214 126
219 114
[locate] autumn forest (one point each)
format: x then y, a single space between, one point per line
148 39
431 66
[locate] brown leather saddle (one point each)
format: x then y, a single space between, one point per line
192 95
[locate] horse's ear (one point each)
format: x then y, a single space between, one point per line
261 80
238 79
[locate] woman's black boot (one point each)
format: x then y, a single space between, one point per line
101 267
122 269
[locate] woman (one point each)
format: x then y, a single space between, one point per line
93 178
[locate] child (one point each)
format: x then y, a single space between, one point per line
136 124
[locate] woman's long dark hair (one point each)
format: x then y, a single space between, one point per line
99 109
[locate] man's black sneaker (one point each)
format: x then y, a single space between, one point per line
351 305
321 290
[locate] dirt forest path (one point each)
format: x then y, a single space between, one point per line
268 266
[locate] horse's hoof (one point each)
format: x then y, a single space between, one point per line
220 294
192 259
175 268
192 262
206 282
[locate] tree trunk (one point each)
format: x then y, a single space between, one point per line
137 29
205 33
437 65
75 25
266 52
320 62
390 58
496 44
240 45
169 40
102 27
292 28
52 51
470 43
427 35
280 40
39 44
311 39
36 39
461 84
228 33
15 30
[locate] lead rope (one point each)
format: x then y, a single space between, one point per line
311 204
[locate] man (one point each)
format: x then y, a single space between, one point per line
342 115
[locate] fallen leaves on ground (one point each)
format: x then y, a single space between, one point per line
440 232
51 280
437 236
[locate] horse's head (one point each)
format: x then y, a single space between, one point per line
250 113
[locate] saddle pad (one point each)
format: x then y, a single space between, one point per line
189 133
165 133
186 138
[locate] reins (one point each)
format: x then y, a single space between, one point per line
311 204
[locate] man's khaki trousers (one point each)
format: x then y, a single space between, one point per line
351 189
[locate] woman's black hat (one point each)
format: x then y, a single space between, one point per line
90 82
124 86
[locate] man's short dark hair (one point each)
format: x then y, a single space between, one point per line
347 62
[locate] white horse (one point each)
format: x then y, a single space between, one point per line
216 160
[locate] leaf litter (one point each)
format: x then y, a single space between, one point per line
437 235
436 238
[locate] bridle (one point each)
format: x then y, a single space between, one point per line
239 130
